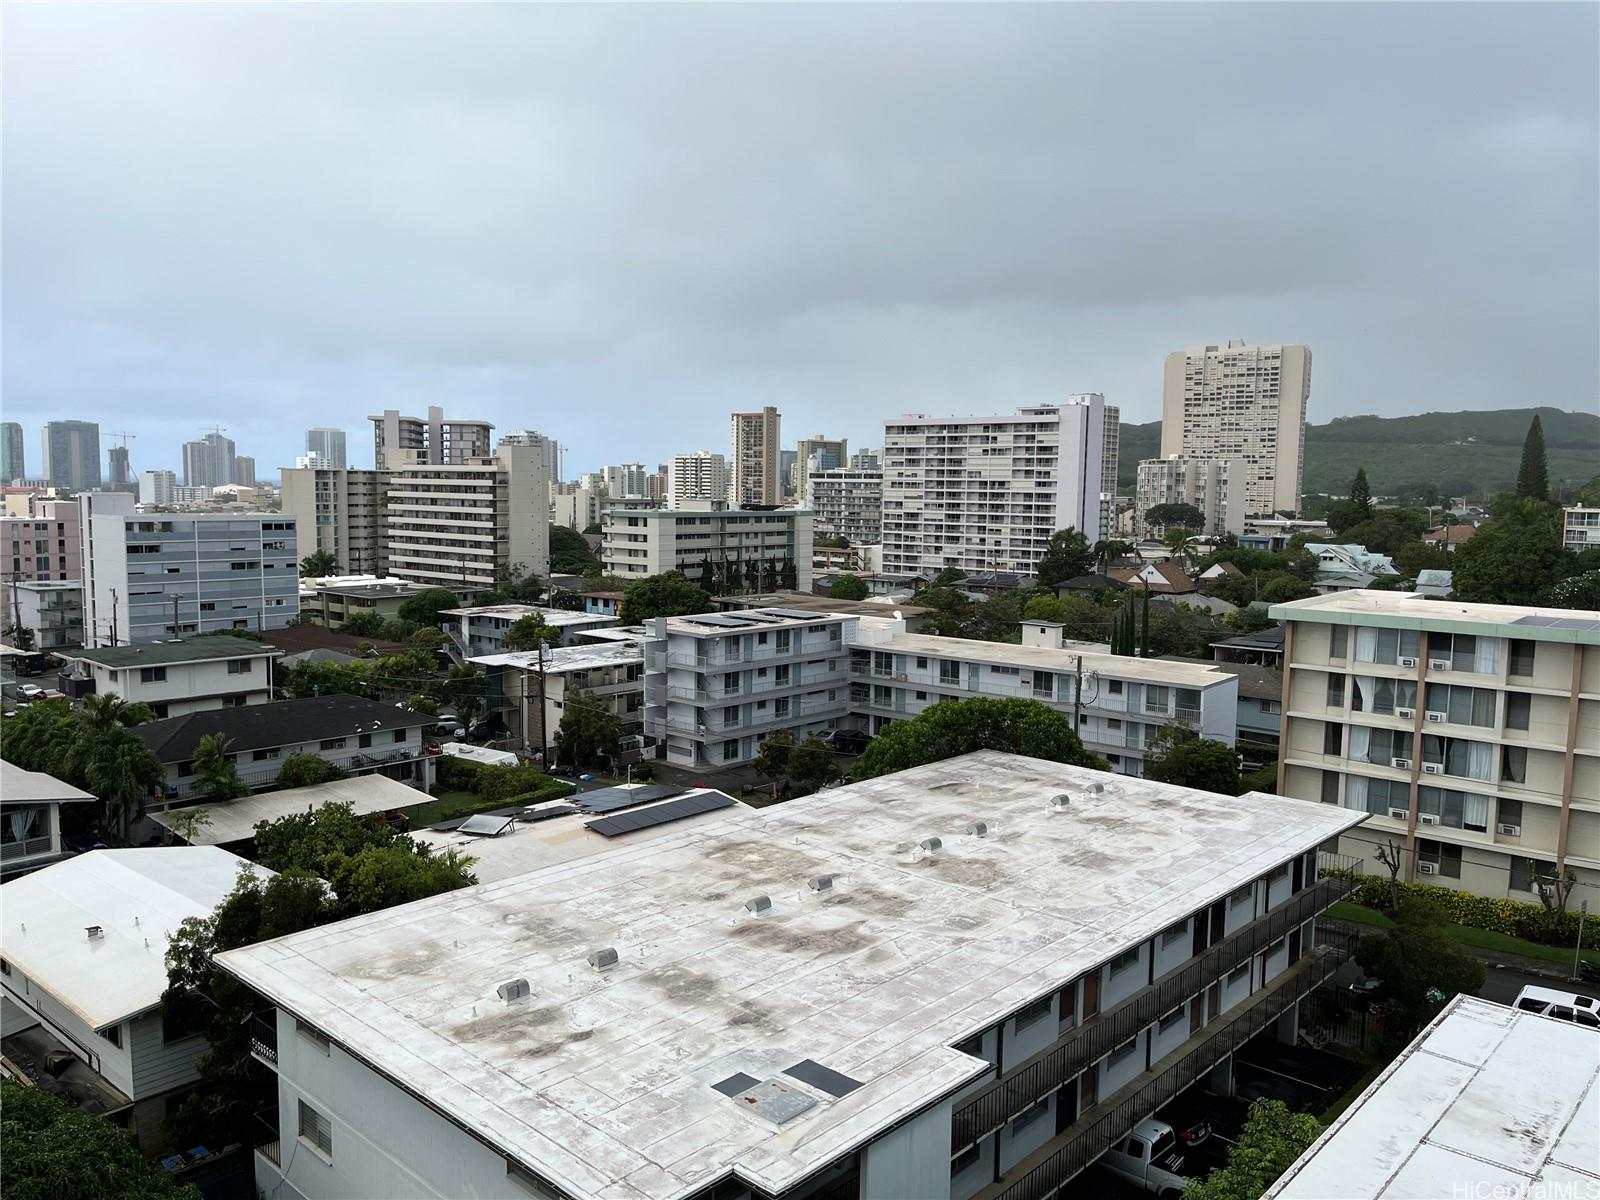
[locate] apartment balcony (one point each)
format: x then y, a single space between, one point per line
266 1136
1018 1090
264 1043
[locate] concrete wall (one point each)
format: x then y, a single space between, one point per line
912 1162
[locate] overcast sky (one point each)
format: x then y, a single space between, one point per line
617 224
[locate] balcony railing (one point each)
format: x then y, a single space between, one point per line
980 1114
264 1039
26 848
1097 1129
266 1136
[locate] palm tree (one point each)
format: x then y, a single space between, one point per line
215 767
1181 542
1108 550
123 776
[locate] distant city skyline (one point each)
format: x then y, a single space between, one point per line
845 212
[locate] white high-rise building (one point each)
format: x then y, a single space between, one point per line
848 502
757 478
1239 401
158 487
986 493
701 476
329 445
627 481
549 449
1216 486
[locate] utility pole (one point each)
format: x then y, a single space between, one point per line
544 757
1577 951
1077 691
113 616
177 630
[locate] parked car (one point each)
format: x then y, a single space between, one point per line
845 741
1149 1158
30 691
1561 1006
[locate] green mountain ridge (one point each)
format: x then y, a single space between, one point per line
1458 452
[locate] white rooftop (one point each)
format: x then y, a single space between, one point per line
602 1083
1425 611
554 617
121 974
561 659
18 786
1488 1101
235 820
746 620
479 754
532 845
1155 670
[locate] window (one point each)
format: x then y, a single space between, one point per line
949 673
175 1028
1330 787
1115 687
1462 705
1168 1020
730 749
1338 641
1019 1123
1374 694
1456 810
399 735
1386 645
112 1035
922 663
1513 765
1244 895
1522 657
1123 1052
239 666
1332 737
1511 812
1272 706
1445 858
264 755
1523 872
364 740
316 1130
1040 1008
1380 746
1128 958
1239 974
1379 797
1466 652
1519 707
152 674
332 744
965 1159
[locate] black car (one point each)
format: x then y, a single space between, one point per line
846 741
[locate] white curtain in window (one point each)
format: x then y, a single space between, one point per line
19 823
1478 758
1474 810
1355 792
1360 741
1367 686
1366 644
1487 659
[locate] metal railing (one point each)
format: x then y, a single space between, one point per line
1099 1128
264 1040
25 848
266 1135
982 1113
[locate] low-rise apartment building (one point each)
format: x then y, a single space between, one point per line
45 545
52 609
30 817
481 629
764 547
1580 528
84 971
531 690
331 603
1470 734
1118 704
961 980
176 677
847 502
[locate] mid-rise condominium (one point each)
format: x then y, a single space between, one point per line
628 481
549 450
398 439
1469 734
328 445
1215 486
757 477
718 547
12 464
71 454
848 503
818 453
1239 401
986 493
340 511
698 477
45 545
208 462
971 978
158 487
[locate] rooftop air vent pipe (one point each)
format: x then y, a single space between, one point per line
758 906
512 990
603 959
1061 802
822 883
979 829
94 932
931 844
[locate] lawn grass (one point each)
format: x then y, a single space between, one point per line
1478 939
447 805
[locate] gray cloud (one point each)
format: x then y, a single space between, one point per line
616 223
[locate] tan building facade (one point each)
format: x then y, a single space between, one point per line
755 457
340 511
1470 734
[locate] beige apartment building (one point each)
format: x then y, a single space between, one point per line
758 545
397 438
1238 401
453 525
341 511
699 477
1216 486
1470 734
755 457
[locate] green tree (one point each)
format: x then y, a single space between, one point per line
528 632
1283 589
1415 557
848 587
1575 591
1108 550
772 756
1272 1138
218 773
424 608
55 1152
319 563
667 595
1420 966
1163 516
1181 542
954 727
1342 514
1533 479
464 690
426 642
1179 755
570 553
589 732
1066 555
1361 494
19 637
831 541
367 624
513 584
1388 530
1513 557
811 764
1248 620
307 770
184 824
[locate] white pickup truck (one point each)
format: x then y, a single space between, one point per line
1149 1158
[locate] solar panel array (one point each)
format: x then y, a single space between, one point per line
1587 624
485 825
660 814
604 800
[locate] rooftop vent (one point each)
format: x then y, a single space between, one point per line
1096 789
512 990
1061 802
759 906
979 829
94 931
931 844
603 959
822 883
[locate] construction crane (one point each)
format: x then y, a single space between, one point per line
127 475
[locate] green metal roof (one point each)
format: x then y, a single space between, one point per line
157 654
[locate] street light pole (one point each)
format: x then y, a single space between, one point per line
1577 951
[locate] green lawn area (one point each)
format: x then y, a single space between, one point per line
446 805
1479 939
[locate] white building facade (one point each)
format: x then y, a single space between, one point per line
756 440
341 511
1580 529
847 502
755 545
696 479
175 677
1216 486
158 487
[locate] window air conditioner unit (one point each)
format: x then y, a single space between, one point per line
1436 717
1427 868
1509 830
1398 814
1407 662
1427 819
1432 769
1403 764
1405 714
1438 664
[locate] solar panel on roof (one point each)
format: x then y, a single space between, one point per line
795 613
736 1083
544 814
485 825
604 800
660 814
826 1079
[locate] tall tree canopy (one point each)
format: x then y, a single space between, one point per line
1361 494
848 587
424 608
1185 515
1179 755
954 727
1419 965
319 563
1533 478
666 595
1514 556
570 553
1272 1138
1066 555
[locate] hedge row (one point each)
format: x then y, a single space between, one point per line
503 785
1511 917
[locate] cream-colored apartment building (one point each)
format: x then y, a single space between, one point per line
1238 401
697 477
758 545
397 438
755 457
1469 732
341 511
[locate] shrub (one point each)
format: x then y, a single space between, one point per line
550 789
1513 918
502 784
305 770
457 774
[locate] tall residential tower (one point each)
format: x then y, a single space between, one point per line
756 475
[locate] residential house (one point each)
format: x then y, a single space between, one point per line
233 822
184 675
1449 538
481 629
332 603
52 609
1580 528
1350 559
1435 583
1166 578
1264 648
531 691
30 818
